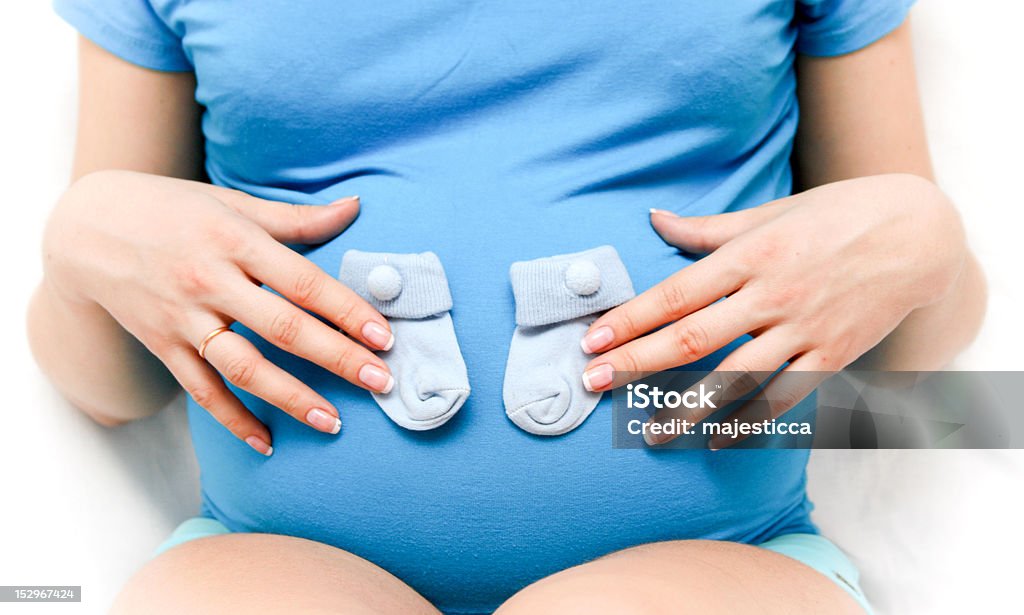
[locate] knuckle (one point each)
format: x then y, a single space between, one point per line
703 229
203 394
299 217
691 341
672 299
628 361
234 423
227 237
245 250
732 367
733 263
195 279
345 314
782 401
342 359
703 224
740 377
285 328
743 382
160 339
761 252
804 334
781 299
240 371
292 403
309 286
627 323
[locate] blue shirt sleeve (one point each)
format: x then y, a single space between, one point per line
130 29
835 27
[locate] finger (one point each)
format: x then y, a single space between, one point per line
680 343
295 331
704 234
682 293
738 375
306 285
243 366
205 386
288 223
787 389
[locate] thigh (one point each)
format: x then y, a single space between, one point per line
265 573
686 576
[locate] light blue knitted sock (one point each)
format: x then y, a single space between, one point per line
557 298
411 290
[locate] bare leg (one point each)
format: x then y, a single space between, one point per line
686 576
263 573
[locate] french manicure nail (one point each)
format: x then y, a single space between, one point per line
260 445
597 378
379 336
597 340
324 421
663 212
346 199
376 378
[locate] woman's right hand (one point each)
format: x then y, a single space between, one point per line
172 260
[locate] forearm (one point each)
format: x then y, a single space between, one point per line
931 336
135 119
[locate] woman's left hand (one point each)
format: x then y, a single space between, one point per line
818 279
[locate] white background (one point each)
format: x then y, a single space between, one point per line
934 531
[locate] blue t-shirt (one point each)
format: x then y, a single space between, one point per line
491 132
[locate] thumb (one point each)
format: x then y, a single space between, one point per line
704 234
288 223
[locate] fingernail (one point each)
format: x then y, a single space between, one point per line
346 199
663 212
597 378
378 335
376 378
324 421
260 445
713 446
597 340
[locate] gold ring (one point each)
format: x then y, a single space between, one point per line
209 337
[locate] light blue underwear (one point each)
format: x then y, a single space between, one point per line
812 550
821 554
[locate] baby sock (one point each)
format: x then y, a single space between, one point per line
557 298
411 290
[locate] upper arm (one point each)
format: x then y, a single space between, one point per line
860 114
135 118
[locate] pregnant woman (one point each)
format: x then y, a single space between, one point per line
200 246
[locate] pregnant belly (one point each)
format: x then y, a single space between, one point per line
470 512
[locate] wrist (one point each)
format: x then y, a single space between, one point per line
69 303
937 234
65 248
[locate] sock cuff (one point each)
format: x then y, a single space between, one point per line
559 288
398 285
